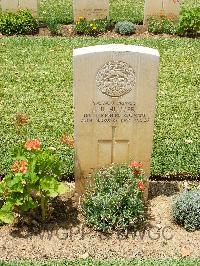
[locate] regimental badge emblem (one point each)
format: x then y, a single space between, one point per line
115 79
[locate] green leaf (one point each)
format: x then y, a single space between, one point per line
28 204
50 186
16 183
7 216
62 189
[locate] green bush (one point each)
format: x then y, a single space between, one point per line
114 200
125 28
53 25
186 210
161 25
92 28
189 22
21 22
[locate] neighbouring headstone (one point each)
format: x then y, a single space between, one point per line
32 5
158 8
114 103
15 5
9 5
90 9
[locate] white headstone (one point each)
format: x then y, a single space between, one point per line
114 102
158 8
90 9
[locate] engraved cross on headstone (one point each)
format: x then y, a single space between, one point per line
110 148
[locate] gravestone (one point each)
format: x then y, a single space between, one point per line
114 103
15 5
32 5
157 8
9 5
90 9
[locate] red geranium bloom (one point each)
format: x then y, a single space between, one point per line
141 186
20 167
135 164
32 144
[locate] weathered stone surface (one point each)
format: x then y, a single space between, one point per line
168 8
9 5
90 9
15 5
114 102
32 5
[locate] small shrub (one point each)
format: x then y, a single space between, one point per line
21 22
32 182
161 25
125 28
53 25
92 28
114 200
189 22
186 210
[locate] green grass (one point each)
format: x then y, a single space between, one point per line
36 80
170 262
119 10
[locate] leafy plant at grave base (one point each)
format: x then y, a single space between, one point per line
53 25
32 182
161 25
125 28
92 28
114 199
186 209
21 22
189 22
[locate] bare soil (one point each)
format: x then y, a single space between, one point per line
66 236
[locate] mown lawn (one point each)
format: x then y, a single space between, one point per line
176 262
119 9
36 82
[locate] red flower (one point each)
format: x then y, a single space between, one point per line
33 144
20 167
141 186
135 164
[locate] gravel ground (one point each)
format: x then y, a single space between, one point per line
65 236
